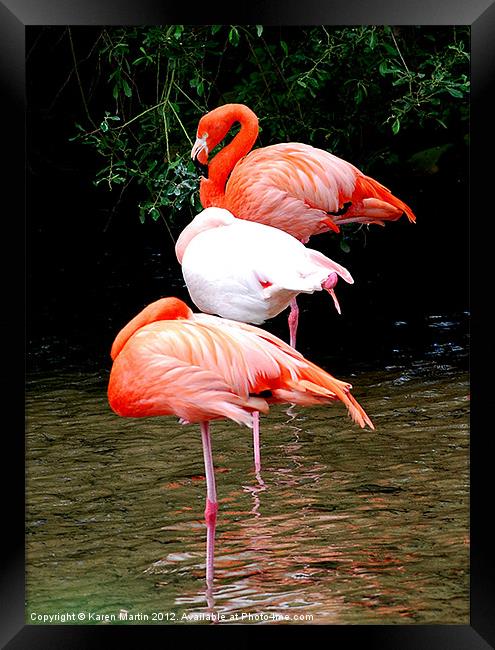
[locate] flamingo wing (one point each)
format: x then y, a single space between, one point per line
184 369
202 367
227 270
305 191
250 271
298 380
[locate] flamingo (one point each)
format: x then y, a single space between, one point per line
250 272
170 361
291 186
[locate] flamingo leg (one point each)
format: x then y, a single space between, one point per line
211 501
293 320
256 442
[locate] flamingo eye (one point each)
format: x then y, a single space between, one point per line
205 136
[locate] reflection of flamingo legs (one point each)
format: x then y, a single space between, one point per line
211 501
256 442
210 559
210 601
253 491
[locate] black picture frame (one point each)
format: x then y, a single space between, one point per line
15 15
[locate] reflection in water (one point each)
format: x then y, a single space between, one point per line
343 525
211 526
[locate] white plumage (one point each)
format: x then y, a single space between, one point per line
247 271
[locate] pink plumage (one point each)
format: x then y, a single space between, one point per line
291 186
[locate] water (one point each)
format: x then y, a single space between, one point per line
346 526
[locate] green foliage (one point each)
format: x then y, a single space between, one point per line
333 87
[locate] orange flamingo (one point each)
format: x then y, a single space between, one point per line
169 361
290 186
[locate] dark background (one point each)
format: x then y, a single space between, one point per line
39 306
91 267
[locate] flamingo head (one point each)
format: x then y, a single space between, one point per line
167 309
214 126
199 154
163 309
329 285
205 220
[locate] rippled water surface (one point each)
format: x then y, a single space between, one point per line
345 526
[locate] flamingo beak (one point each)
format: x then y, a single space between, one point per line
199 155
329 285
335 301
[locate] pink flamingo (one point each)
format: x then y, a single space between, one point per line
291 186
250 272
169 361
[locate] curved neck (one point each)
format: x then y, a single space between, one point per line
143 318
212 189
163 309
209 218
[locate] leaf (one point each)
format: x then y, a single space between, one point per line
259 30
215 29
234 36
383 68
104 126
127 88
455 93
389 49
285 48
396 126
